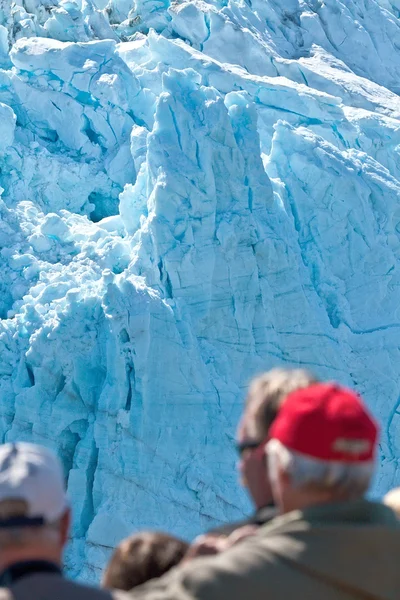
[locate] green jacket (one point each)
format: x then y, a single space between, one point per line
348 551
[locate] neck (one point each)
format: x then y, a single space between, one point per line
301 501
11 556
263 501
262 495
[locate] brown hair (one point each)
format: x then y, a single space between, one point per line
268 391
141 557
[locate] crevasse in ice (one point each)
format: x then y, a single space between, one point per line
192 192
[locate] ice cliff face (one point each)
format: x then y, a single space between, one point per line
192 192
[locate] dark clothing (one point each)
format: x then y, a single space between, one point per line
19 570
259 517
44 585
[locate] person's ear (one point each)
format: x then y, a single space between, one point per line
65 525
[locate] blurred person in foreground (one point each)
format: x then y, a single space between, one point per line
141 557
265 396
34 525
330 542
392 499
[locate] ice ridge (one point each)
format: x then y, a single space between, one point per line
191 192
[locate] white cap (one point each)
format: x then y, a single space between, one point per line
34 474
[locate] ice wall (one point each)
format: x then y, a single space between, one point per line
191 192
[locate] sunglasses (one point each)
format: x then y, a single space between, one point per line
241 447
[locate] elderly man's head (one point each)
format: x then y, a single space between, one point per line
264 399
34 513
321 449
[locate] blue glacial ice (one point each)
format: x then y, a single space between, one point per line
191 192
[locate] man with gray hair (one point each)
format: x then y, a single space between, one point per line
321 449
34 526
265 396
329 542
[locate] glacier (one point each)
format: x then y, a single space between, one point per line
191 192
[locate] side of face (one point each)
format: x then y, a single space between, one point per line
252 465
65 524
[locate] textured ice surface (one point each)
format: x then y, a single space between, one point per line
191 192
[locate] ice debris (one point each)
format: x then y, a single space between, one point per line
191 192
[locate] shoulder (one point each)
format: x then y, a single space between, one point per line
260 517
212 578
76 591
45 586
264 515
281 524
228 528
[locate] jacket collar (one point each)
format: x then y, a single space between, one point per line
30 567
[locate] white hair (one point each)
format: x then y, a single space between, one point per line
392 499
347 480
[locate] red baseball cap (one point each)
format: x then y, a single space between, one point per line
327 422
